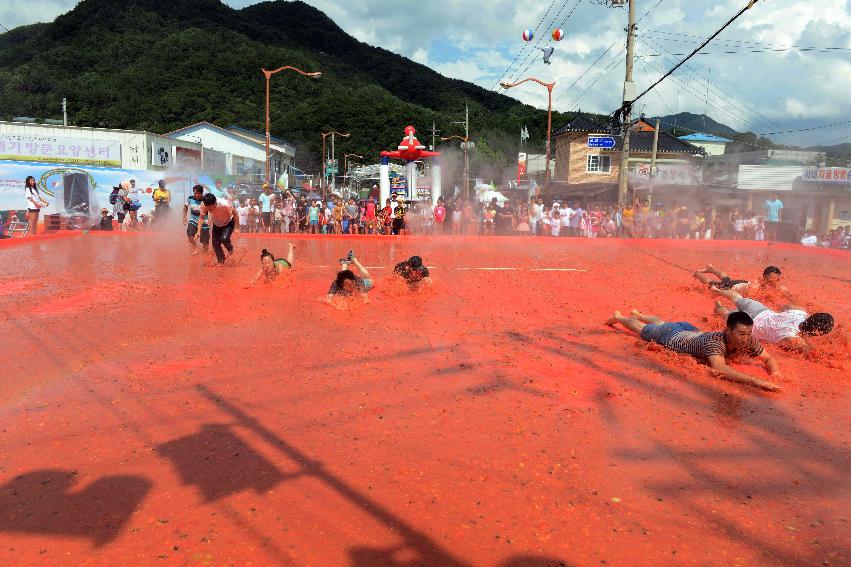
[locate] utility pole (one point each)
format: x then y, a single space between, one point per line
466 150
323 184
628 97
64 111
466 124
653 161
333 171
434 133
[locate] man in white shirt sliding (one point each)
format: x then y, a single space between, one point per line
223 220
785 328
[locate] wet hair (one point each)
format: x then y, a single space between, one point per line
344 275
739 318
209 199
265 253
197 188
817 324
27 182
415 262
771 270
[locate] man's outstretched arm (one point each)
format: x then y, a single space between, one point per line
720 366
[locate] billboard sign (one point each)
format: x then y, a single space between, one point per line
57 149
832 175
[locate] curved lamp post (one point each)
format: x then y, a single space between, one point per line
268 75
549 86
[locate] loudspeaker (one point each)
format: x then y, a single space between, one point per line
76 193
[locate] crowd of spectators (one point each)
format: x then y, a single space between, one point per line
286 213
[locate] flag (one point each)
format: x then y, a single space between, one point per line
524 133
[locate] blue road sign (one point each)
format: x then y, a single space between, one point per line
604 142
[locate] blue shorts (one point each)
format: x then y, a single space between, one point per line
314 223
661 334
368 284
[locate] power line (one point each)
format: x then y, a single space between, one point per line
606 70
704 44
813 128
585 72
754 115
519 75
732 113
534 32
821 144
726 136
697 39
648 11
779 50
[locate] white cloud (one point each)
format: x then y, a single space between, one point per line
14 13
477 41
420 56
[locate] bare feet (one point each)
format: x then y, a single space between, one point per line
720 309
636 313
614 319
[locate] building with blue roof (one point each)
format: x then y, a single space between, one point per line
712 145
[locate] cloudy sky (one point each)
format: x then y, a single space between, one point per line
767 84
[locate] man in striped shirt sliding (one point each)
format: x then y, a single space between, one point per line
714 348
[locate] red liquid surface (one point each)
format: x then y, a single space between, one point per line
153 409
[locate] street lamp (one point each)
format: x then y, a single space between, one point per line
466 140
346 163
506 85
268 75
324 164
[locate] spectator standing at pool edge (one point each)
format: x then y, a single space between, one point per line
35 202
162 201
772 210
266 208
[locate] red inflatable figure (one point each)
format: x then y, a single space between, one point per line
410 148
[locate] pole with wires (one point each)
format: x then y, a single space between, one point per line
628 98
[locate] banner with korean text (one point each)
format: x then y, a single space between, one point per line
72 151
833 175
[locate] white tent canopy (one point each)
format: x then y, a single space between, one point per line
487 196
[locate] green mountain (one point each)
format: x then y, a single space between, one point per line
837 155
690 123
158 65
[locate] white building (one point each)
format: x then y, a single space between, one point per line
102 147
242 151
712 145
